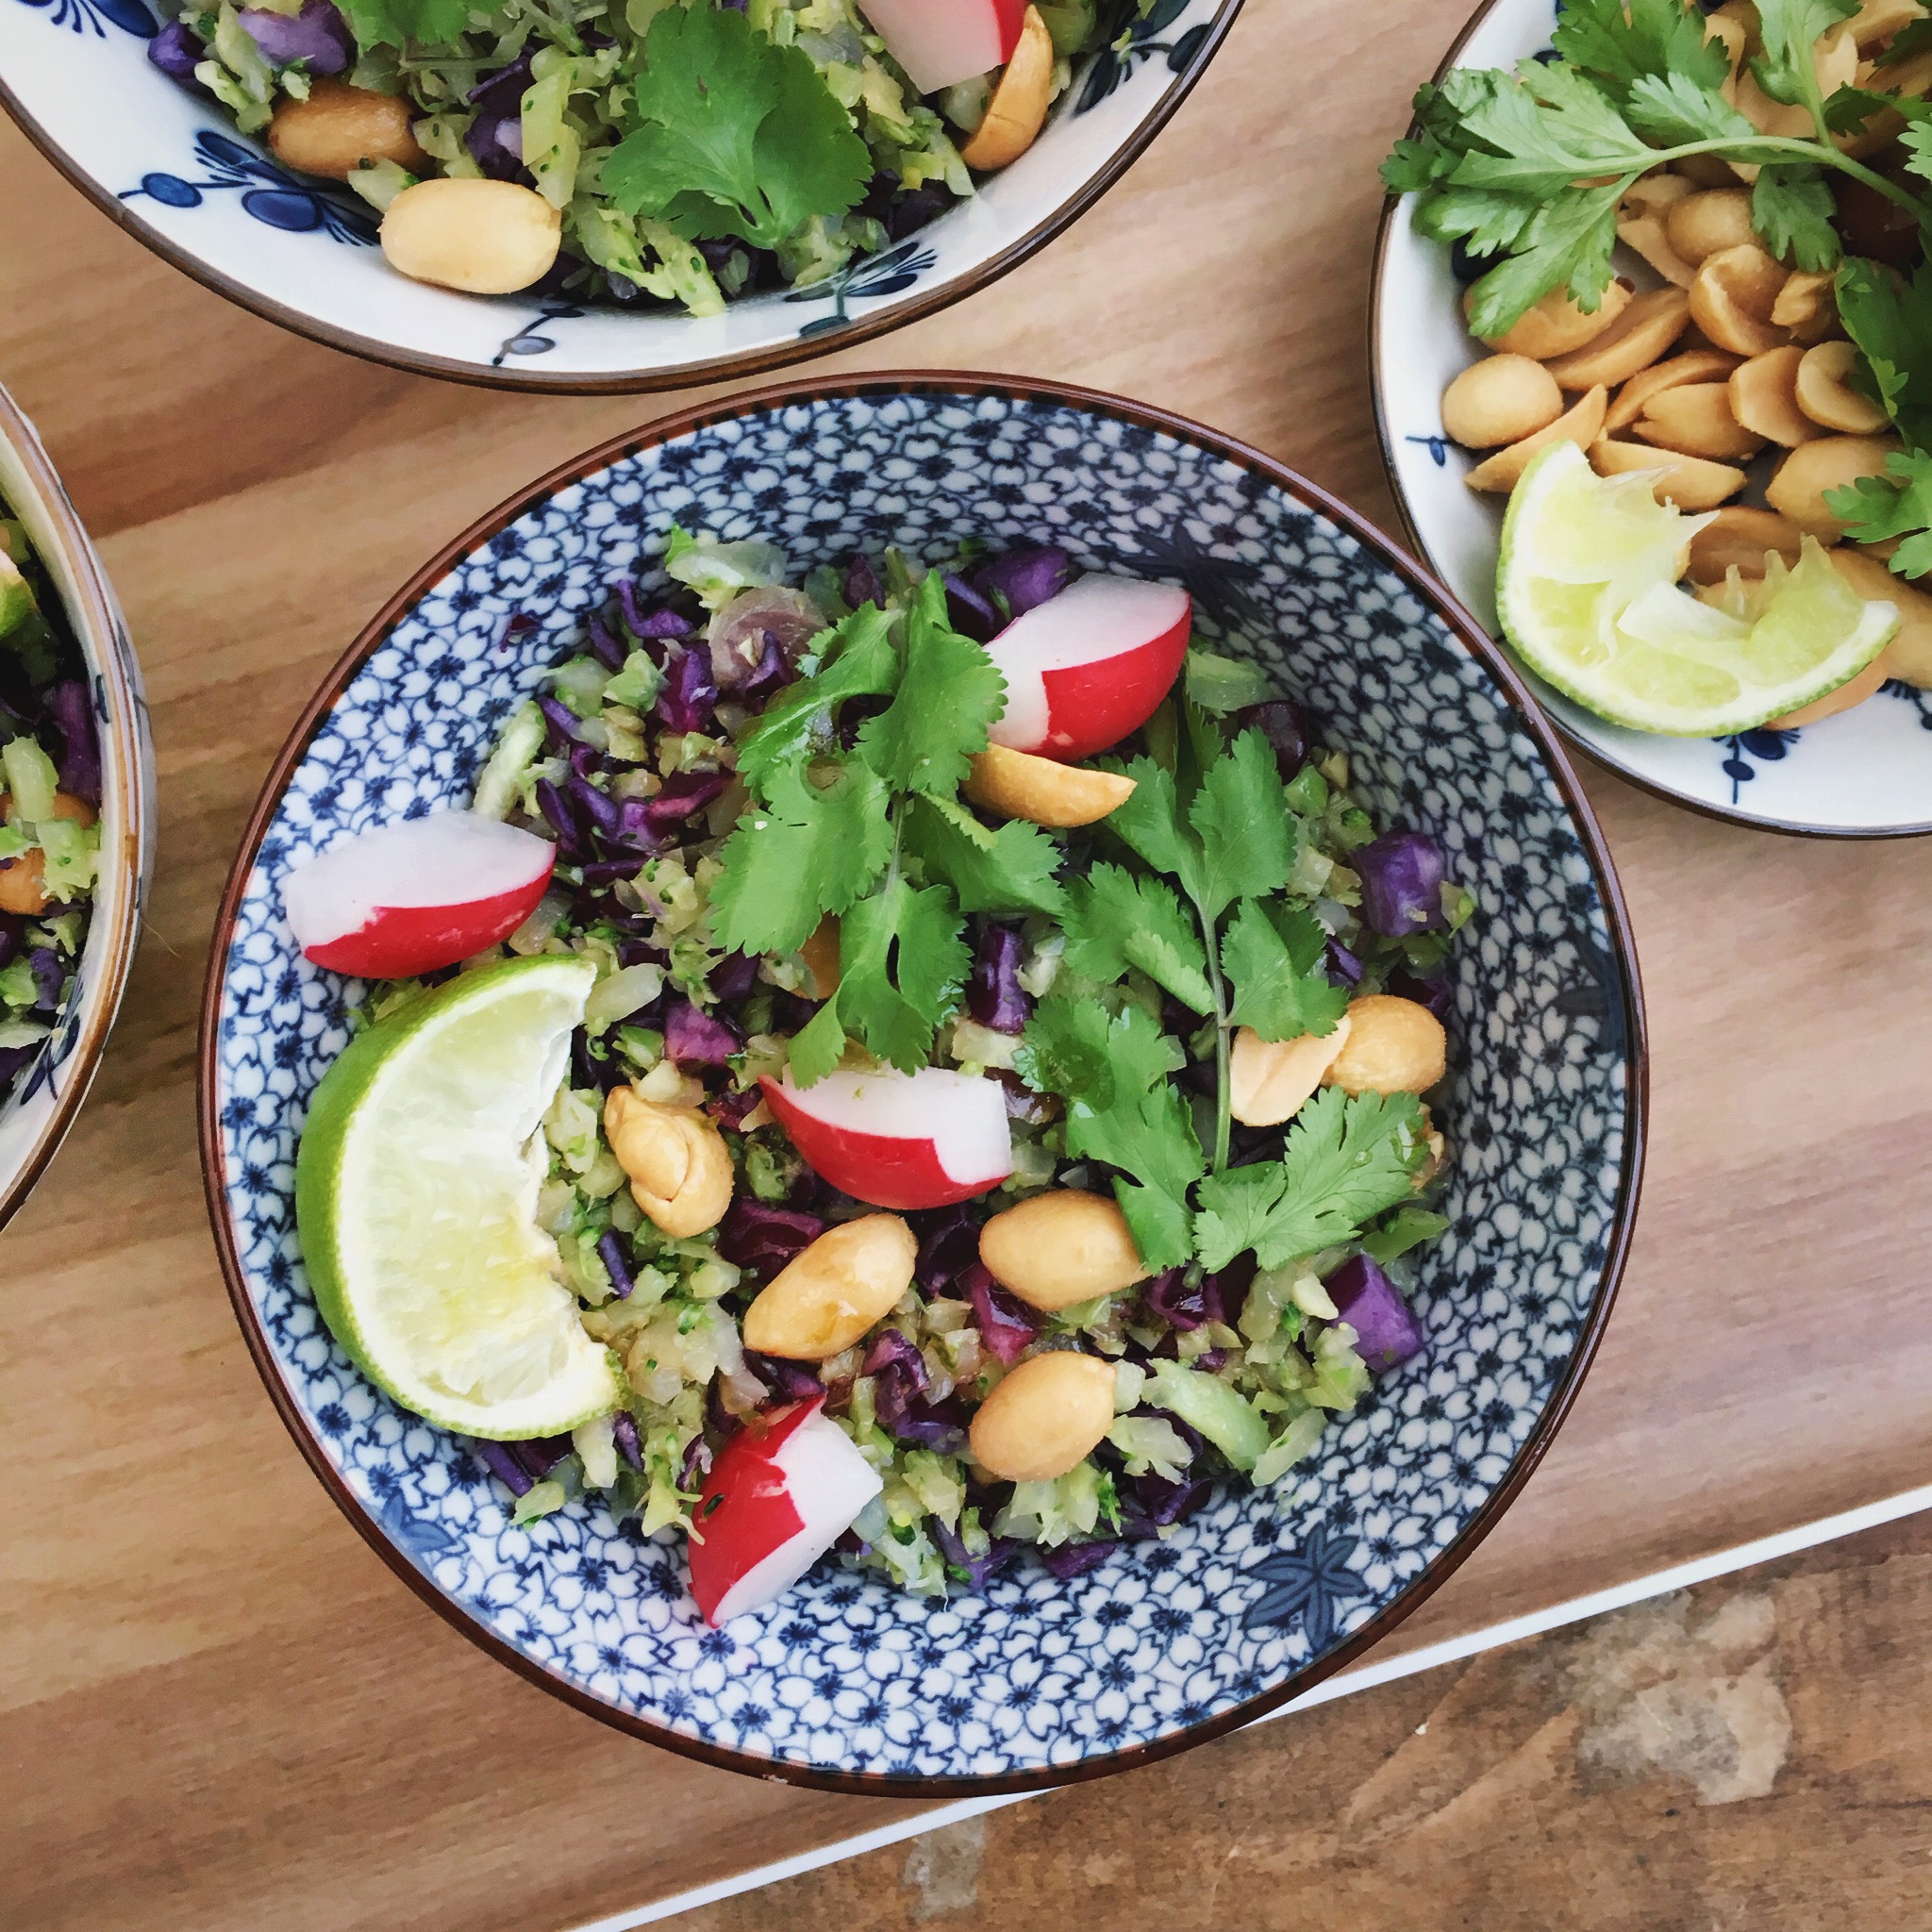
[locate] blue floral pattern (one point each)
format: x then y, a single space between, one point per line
93 16
269 193
844 1675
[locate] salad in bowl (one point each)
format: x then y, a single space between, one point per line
943 1135
951 1084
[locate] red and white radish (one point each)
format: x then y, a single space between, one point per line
899 1140
1089 666
418 894
781 1494
941 42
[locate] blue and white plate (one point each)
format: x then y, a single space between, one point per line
38 1108
172 169
845 1682
1864 774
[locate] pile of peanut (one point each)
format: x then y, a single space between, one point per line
1734 355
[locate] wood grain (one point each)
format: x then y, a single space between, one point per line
217 1710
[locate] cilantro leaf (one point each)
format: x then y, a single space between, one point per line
1247 834
1790 29
812 849
949 692
1004 869
1671 108
1114 921
1619 45
1348 1159
1149 821
1891 319
1122 1108
1793 210
397 23
1898 503
1565 244
902 962
1276 966
738 135
1406 1228
856 660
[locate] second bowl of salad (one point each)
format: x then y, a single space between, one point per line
923 1084
595 195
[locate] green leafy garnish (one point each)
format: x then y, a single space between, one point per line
1274 958
1348 1157
396 22
949 692
1006 869
737 136
1114 920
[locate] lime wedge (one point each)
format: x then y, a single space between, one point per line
416 1198
1587 590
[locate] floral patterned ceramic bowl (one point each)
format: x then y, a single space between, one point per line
1864 774
844 1682
45 1097
172 170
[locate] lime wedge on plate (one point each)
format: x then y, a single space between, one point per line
1587 590
416 1196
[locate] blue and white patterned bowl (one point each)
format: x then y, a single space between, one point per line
844 1682
171 169
1865 774
42 1102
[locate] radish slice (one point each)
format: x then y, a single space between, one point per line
940 43
782 1492
899 1140
1089 666
409 897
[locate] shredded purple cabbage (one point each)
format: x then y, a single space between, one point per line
562 819
1008 1327
495 144
81 746
974 615
563 724
1017 582
695 1039
1001 1551
994 997
49 977
502 92
731 1109
625 1429
1345 968
1069 1560
596 808
733 978
505 1467
177 50
684 795
610 1252
541 1454
604 645
1430 989
762 1238
948 1246
662 624
1401 883
1150 1503
318 36
900 1388
697 1462
689 697
862 585
1285 724
789 1381
1387 1331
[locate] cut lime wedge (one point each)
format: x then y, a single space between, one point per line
1587 590
416 1197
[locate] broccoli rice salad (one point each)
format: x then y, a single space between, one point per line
50 795
922 1063
644 152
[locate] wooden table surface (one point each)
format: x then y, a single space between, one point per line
218 1710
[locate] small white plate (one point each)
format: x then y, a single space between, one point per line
1866 773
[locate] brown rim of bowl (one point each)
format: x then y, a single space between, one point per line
642 382
1460 626
97 619
1751 821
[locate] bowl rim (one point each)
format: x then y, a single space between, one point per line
1385 437
970 385
102 632
670 376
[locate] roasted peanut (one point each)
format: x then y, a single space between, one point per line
1555 324
1763 397
1742 539
1271 1080
1825 391
1042 791
1393 1046
1806 305
1732 298
1876 21
1016 112
1689 482
1062 1247
489 237
1694 419
1798 488
23 880
1700 225
1579 423
1648 325
678 1164
338 128
1500 399
1909 654
1044 1418
821 956
824 1298
1694 365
